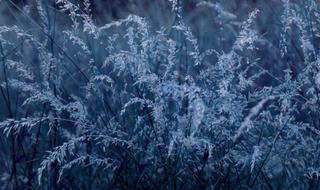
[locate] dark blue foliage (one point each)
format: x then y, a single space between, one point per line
160 94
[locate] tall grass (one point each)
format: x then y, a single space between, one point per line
177 95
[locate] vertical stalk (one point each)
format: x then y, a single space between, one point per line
12 137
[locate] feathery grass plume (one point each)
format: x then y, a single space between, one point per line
182 95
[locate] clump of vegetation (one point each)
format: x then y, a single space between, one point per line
160 103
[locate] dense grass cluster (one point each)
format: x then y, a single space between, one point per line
168 95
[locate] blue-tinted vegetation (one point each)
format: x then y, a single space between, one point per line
160 94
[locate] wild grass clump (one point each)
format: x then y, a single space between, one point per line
147 103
